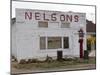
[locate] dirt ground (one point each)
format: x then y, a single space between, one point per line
57 66
78 67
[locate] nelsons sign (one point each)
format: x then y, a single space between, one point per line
52 16
44 15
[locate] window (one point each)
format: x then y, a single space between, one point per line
42 43
53 25
43 24
54 42
66 42
65 25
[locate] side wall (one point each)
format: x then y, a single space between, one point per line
13 40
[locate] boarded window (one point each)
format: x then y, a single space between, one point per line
65 25
54 42
43 24
66 42
42 42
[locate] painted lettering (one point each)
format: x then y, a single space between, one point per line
69 18
37 16
28 15
44 17
76 18
62 17
53 17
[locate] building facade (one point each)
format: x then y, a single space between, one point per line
37 34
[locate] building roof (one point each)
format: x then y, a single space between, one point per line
90 26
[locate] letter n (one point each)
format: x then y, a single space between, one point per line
28 15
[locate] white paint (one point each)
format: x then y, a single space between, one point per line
28 34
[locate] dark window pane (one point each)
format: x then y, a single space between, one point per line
54 42
43 24
66 42
42 43
65 25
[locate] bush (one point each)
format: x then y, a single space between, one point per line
48 59
22 61
32 60
13 58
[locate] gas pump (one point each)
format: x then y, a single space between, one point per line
81 36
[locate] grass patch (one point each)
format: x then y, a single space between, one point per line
55 64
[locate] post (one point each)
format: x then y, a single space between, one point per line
81 35
81 48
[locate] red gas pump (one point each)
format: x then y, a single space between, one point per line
81 36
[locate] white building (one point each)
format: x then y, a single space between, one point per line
38 33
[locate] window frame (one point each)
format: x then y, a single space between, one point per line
40 26
61 43
65 23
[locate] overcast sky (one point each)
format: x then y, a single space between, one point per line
89 10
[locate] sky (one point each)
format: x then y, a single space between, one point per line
89 10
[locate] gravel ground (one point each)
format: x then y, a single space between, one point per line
78 67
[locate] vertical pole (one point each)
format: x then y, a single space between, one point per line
81 48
